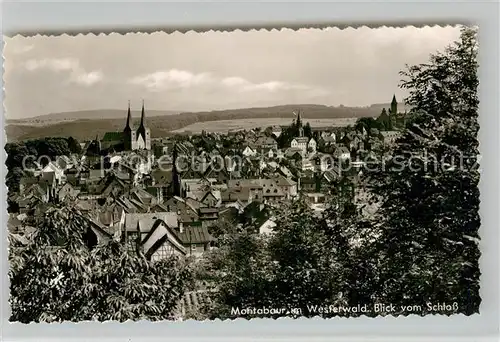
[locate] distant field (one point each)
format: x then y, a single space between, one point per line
86 125
239 124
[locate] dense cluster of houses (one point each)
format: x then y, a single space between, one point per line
164 200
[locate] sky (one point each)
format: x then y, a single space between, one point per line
213 70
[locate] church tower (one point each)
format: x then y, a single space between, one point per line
394 105
298 122
143 133
394 112
175 186
127 132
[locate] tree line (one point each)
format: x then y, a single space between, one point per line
50 147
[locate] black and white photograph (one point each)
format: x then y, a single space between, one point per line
243 174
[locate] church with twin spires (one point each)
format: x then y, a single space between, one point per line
131 139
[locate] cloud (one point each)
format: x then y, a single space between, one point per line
242 84
88 79
174 78
22 49
235 82
77 75
171 78
56 64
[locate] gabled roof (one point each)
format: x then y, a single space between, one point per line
191 174
128 206
142 194
341 150
193 204
111 185
113 136
283 181
212 173
144 221
301 140
158 208
192 235
158 234
38 190
138 205
244 183
95 225
212 193
51 166
265 141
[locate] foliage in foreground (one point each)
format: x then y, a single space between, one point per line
430 213
56 277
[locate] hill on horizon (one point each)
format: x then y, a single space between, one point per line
84 125
87 114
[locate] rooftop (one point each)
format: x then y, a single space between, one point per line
113 136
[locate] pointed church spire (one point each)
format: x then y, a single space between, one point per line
394 105
141 131
127 126
142 114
